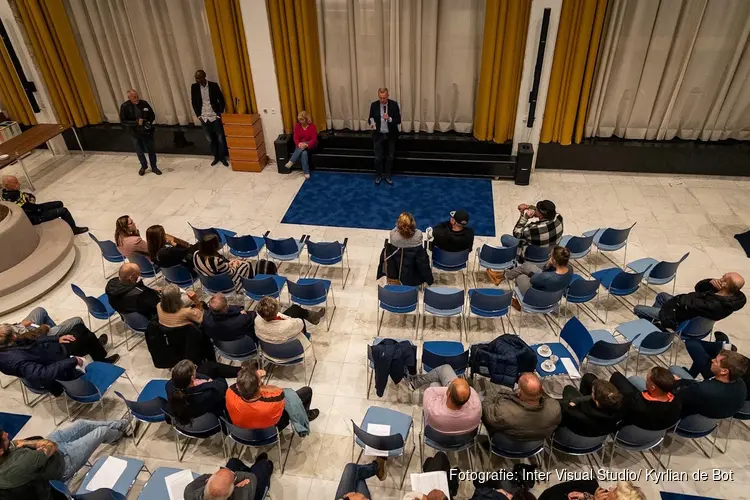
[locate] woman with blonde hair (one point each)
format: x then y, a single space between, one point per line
406 234
305 139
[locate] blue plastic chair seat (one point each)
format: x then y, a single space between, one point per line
285 257
495 292
559 350
636 331
645 265
507 447
605 336
124 483
444 312
156 487
259 290
156 388
444 348
602 246
607 276
574 255
400 309
497 266
744 412
400 424
316 300
532 309
100 376
179 275
245 254
324 261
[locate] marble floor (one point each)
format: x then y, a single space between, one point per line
674 215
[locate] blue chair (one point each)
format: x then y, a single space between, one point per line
579 247
203 427
98 307
444 302
136 323
444 352
179 275
536 254
540 302
329 254
695 328
100 494
569 443
148 269
657 272
511 449
312 292
489 303
579 343
618 284
495 258
447 443
156 487
743 415
452 262
263 285
398 299
41 395
126 480
109 252
647 339
240 350
246 247
580 292
223 234
148 407
695 427
285 250
287 354
610 240
606 351
370 362
395 444
636 439
91 388
218 283
256 438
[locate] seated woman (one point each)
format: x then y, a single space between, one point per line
192 393
171 311
128 238
209 262
276 328
165 250
556 274
406 234
305 139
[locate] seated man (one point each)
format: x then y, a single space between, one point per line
236 481
224 322
276 328
457 410
702 352
252 405
524 415
594 410
37 212
353 483
713 299
453 235
128 294
648 403
39 318
540 225
27 465
717 397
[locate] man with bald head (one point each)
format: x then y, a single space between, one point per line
713 299
226 322
236 481
128 294
37 212
451 405
138 118
524 415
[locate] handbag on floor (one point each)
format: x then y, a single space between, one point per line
265 267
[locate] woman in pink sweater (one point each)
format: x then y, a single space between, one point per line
306 138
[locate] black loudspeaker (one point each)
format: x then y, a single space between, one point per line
523 163
284 146
538 68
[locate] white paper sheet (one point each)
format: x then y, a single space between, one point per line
428 481
377 430
176 484
570 367
108 474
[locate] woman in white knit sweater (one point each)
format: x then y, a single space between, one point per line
276 328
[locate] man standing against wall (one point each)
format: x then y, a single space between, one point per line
385 117
138 117
208 104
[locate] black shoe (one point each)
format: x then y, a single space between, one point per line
156 170
721 336
315 317
216 160
80 230
224 162
142 171
262 456
112 359
382 471
388 180
377 180
312 414
103 339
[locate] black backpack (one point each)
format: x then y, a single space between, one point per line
265 267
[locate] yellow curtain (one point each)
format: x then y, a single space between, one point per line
232 59
578 37
59 61
504 42
296 52
12 94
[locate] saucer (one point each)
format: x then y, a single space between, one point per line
544 351
548 366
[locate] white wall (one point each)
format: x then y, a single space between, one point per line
258 35
522 133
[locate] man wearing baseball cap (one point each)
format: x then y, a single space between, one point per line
453 235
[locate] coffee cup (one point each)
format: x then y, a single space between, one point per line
554 358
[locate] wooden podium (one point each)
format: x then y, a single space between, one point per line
247 150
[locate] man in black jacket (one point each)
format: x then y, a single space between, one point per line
37 212
453 235
127 293
208 104
138 117
594 410
714 299
385 117
226 323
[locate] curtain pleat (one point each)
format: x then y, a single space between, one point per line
12 94
296 52
578 36
232 58
505 28
57 56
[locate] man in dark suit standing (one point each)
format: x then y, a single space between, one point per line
138 117
208 104
385 117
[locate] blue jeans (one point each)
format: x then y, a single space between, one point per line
353 479
680 372
79 441
145 144
215 136
652 313
701 352
638 382
40 316
300 155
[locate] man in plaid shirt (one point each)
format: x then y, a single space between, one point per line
541 226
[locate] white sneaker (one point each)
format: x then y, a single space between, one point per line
307 176
289 164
